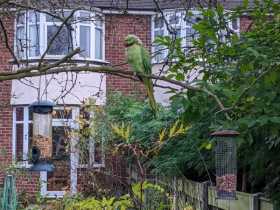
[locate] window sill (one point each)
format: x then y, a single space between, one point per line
23 165
74 60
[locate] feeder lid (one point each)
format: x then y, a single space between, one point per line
225 133
43 166
42 107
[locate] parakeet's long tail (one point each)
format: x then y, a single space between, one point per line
150 92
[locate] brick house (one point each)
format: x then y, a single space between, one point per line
101 42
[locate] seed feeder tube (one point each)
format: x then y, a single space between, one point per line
42 144
226 163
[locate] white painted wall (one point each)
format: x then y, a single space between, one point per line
86 85
161 94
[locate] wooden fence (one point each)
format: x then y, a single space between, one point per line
201 196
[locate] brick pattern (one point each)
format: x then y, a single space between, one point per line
5 95
26 182
245 23
117 28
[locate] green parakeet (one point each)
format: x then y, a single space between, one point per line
139 60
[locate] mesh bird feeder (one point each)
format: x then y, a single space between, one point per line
226 163
42 144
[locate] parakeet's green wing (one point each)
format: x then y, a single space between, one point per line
146 59
134 58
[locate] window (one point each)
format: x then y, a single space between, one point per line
63 120
38 32
98 38
27 23
179 26
158 31
59 42
91 154
91 150
90 25
22 133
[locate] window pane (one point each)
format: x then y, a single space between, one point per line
159 22
33 17
191 20
20 41
85 40
30 133
159 33
19 141
158 50
30 114
98 43
34 32
21 18
61 143
62 113
191 35
19 113
62 42
159 53
50 18
90 152
177 33
61 14
98 153
174 19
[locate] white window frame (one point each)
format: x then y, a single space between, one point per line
102 28
58 24
25 122
183 24
92 163
72 124
74 155
26 28
92 34
153 31
43 24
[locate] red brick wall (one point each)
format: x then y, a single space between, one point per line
27 181
5 94
117 28
245 23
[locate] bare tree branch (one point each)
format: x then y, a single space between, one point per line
6 41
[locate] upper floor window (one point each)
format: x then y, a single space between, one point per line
178 25
37 33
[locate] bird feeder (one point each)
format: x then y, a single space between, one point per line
42 144
226 164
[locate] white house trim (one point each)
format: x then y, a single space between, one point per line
74 160
26 133
130 12
43 39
